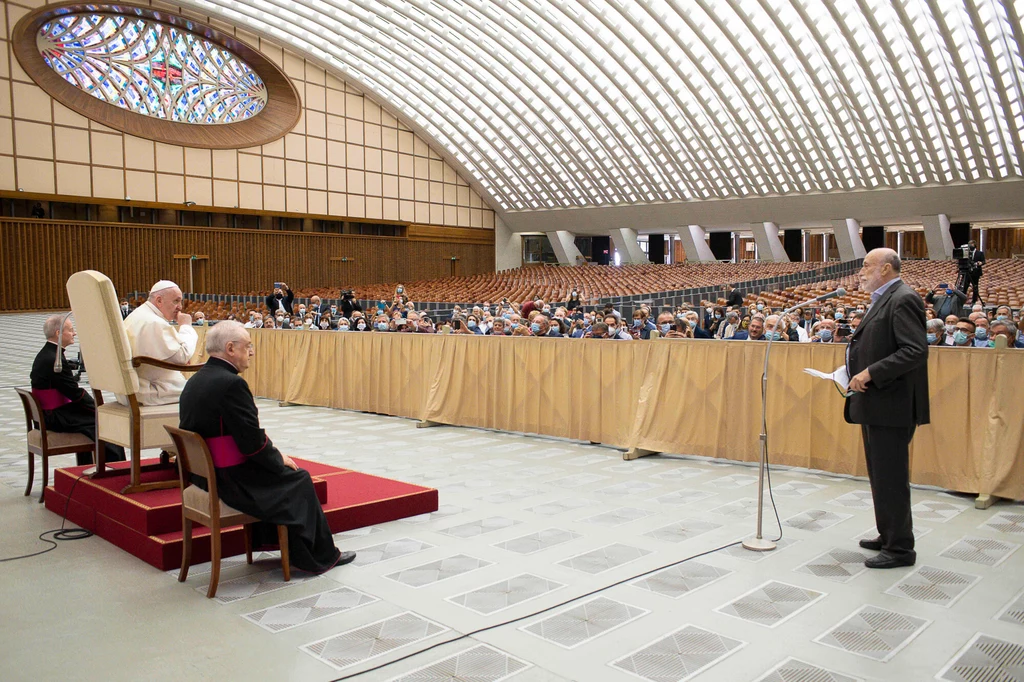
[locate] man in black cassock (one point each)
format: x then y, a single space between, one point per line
67 407
264 482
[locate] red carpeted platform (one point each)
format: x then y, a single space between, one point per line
148 525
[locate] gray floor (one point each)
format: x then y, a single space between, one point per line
525 523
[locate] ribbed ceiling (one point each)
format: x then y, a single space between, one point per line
588 103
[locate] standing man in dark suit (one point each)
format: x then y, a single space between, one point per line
977 261
281 300
887 361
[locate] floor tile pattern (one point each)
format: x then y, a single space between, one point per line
679 656
254 584
793 670
535 542
984 551
676 581
874 633
838 565
292 614
604 559
436 571
482 663
506 593
771 604
933 585
986 659
585 622
369 641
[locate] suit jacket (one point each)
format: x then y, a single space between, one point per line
891 343
287 301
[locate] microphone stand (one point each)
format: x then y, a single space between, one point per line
759 543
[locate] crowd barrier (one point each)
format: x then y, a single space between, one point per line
674 396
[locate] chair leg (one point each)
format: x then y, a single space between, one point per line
46 474
282 541
31 472
214 562
247 534
186 549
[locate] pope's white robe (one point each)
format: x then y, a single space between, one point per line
151 335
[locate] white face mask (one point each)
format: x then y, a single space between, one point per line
360 326
343 328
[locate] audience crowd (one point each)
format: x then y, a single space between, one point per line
726 318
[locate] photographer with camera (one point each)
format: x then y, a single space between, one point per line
349 304
977 260
946 300
281 299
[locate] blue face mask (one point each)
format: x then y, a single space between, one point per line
382 326
534 327
825 335
514 325
960 337
665 327
1002 318
638 323
774 336
932 338
840 316
471 324
981 333
760 307
507 316
343 328
553 331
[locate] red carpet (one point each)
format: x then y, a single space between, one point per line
148 525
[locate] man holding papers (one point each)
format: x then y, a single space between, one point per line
887 364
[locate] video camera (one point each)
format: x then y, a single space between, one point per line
962 255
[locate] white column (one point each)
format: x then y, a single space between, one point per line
695 244
824 246
899 242
737 255
983 239
847 234
563 243
766 236
625 242
508 246
936 236
806 243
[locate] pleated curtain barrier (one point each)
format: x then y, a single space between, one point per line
673 396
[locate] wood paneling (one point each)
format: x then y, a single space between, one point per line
38 256
1002 242
280 114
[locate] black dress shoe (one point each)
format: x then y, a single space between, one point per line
346 558
886 560
874 545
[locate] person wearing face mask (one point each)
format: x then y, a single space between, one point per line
296 323
280 299
963 334
665 322
887 361
696 331
716 321
343 325
473 325
946 300
935 332
255 321
776 328
316 310
730 326
125 310
598 331
380 324
950 328
1007 330
497 327
574 300
824 331
307 323
981 335
325 322
613 330
360 325
302 311
349 304
642 326
282 321
199 320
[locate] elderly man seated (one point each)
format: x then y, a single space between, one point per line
1007 330
253 476
152 334
824 331
67 407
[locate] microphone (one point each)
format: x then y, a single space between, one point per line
840 291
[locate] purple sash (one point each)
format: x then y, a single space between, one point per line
224 451
50 398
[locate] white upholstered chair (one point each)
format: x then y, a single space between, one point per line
111 367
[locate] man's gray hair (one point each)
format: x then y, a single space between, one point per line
223 333
51 327
1010 327
892 258
934 325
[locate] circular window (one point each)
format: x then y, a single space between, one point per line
156 75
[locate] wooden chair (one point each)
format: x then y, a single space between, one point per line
204 507
112 368
46 443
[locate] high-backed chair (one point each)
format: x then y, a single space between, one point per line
104 343
46 443
204 507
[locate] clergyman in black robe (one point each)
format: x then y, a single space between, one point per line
260 480
67 407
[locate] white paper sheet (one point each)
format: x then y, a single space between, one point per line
841 377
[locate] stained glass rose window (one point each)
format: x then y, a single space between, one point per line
151 68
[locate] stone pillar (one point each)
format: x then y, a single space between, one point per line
937 237
769 246
564 245
508 246
627 246
694 244
848 241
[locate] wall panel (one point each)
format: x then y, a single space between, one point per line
38 256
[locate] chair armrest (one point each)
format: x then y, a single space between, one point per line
142 360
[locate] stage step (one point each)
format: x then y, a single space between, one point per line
354 500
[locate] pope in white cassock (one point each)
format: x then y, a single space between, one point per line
151 334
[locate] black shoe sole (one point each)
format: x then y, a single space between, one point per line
873 545
346 558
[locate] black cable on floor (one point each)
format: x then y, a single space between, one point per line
535 613
60 534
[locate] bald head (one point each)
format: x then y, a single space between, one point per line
880 266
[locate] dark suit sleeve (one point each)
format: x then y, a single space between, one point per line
908 328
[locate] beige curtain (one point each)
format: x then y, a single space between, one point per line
677 396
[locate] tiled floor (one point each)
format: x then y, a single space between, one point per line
525 524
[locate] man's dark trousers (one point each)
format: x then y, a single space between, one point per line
887 450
